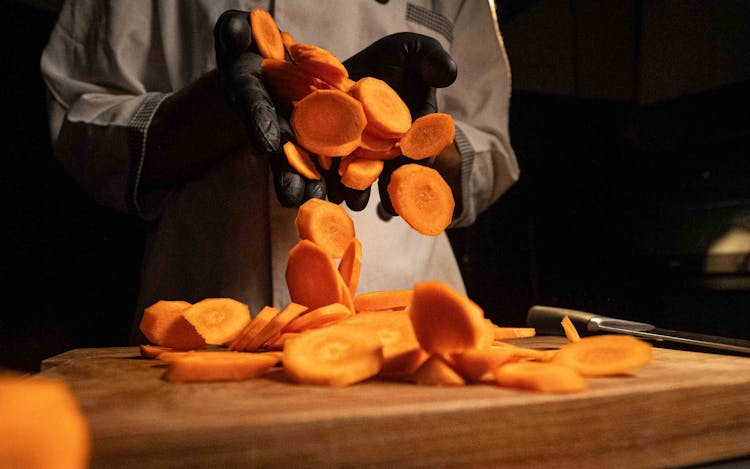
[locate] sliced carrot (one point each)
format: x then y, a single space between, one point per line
277 343
288 40
525 352
153 351
253 328
318 62
325 162
325 224
287 82
329 122
540 377
386 112
218 320
570 330
350 265
389 154
274 327
375 143
604 355
41 424
401 351
501 333
219 366
428 136
319 317
311 276
345 84
437 372
444 320
170 357
475 365
383 300
164 324
334 356
359 173
266 34
422 198
300 160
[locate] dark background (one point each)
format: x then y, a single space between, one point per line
631 125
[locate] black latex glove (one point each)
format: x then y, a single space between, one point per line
239 65
413 65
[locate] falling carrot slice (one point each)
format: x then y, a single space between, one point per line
220 366
360 173
375 143
329 122
475 365
266 34
422 198
274 327
326 224
350 265
287 82
288 40
319 317
300 160
386 112
570 330
540 377
428 136
333 356
253 328
218 320
318 62
437 372
383 300
384 155
164 324
604 355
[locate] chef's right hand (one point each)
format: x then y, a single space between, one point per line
239 66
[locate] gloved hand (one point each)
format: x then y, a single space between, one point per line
413 65
239 64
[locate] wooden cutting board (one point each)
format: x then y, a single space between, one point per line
684 408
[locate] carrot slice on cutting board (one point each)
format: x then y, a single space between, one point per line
164 324
437 372
604 355
476 365
274 327
501 333
541 377
383 300
153 351
311 276
570 330
319 317
219 366
253 328
218 320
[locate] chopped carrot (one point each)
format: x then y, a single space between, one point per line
435 371
287 82
389 154
422 198
501 333
218 320
153 351
328 122
219 366
375 143
525 352
325 224
570 330
300 160
319 317
382 300
350 265
604 355
359 173
277 343
253 328
386 112
325 162
318 62
266 34
334 356
444 320
428 136
288 40
345 295
274 327
344 85
540 377
164 324
401 351
41 424
169 357
474 365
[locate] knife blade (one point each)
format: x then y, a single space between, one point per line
546 320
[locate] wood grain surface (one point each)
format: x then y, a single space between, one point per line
684 408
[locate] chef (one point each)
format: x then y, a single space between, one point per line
156 110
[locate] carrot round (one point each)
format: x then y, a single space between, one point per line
318 317
383 300
351 264
364 153
311 277
444 320
501 333
386 112
300 160
153 351
525 352
253 328
218 320
219 366
604 355
428 136
570 330
288 41
286 82
164 324
422 198
474 365
540 377
318 62
274 327
277 343
375 143
359 173
266 34
329 122
325 224
325 162
437 372
334 356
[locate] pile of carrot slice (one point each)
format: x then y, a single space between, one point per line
362 123
332 335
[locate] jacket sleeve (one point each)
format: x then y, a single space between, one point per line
99 107
479 102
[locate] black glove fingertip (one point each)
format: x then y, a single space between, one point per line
232 36
356 199
437 68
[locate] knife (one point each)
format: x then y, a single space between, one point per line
546 320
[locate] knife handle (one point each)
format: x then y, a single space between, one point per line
546 319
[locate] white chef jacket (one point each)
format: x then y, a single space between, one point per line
109 64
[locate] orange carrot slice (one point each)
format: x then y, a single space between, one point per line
384 155
274 327
311 276
319 317
288 41
428 136
540 377
444 320
476 365
318 62
219 366
285 81
501 333
153 351
570 330
329 122
359 173
604 355
375 143
525 352
218 320
266 34
325 224
386 112
277 343
333 356
383 300
300 160
325 162
437 372
253 328
164 324
422 198
350 265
